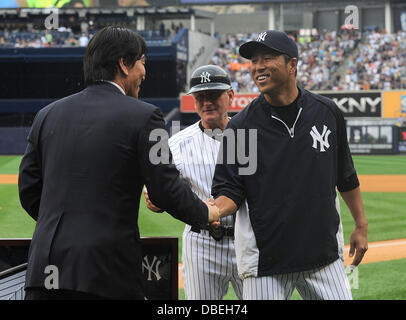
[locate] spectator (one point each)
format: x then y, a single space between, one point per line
83 40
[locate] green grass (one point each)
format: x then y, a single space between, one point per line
385 212
153 224
386 215
380 164
9 164
382 281
364 164
14 221
377 281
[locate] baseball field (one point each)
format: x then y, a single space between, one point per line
383 185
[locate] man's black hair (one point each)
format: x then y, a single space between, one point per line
106 48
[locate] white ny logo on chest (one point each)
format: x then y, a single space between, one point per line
321 138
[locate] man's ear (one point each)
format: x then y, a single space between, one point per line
293 63
230 93
122 66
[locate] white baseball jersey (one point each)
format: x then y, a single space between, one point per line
208 265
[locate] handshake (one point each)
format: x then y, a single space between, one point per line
214 211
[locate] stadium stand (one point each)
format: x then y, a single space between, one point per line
379 62
65 37
330 61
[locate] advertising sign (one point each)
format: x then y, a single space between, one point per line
402 139
373 139
358 104
240 101
352 104
394 103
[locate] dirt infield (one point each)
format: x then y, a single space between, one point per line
8 178
381 251
382 183
369 183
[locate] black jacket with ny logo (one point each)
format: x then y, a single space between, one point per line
292 195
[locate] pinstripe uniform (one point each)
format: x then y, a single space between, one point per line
325 283
208 265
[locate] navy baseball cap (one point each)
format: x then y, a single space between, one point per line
272 39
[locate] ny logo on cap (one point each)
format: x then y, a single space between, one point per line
205 77
262 36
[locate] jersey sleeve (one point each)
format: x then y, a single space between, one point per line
346 174
176 158
227 181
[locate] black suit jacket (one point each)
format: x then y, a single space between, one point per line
81 179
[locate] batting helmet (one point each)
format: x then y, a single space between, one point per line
209 77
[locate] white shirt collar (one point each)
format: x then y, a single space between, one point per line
115 84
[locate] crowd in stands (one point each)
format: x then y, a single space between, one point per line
319 58
379 62
65 37
330 61
327 60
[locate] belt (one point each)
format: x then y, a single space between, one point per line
217 233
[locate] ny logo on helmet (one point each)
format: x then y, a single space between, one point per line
321 138
262 36
205 77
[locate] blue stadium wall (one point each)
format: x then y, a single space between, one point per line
32 78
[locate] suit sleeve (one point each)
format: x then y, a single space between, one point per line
30 173
166 188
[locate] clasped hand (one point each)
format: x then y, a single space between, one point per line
214 212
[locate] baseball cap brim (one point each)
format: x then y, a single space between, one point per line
209 86
248 48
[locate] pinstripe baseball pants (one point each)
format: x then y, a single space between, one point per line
326 283
209 266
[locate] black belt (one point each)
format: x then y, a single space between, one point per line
217 233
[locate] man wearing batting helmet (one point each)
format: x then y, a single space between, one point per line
208 255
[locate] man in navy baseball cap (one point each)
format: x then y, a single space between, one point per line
297 134
273 39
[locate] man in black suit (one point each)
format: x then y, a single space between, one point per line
82 175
